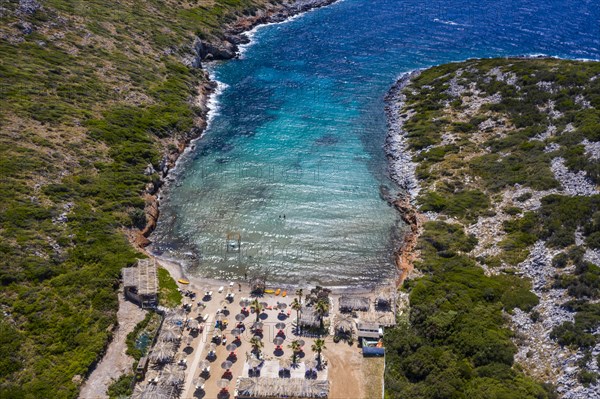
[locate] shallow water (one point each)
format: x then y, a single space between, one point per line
293 159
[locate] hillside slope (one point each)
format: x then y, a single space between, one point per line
504 169
98 100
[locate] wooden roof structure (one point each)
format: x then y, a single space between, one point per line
352 303
142 277
309 318
267 388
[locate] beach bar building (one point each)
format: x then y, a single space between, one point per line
141 283
275 388
370 331
354 303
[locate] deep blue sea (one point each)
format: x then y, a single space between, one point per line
293 160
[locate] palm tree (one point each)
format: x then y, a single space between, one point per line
322 307
257 307
318 346
256 344
299 292
297 306
296 348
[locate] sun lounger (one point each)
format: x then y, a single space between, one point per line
221 288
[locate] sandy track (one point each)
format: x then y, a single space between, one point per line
115 362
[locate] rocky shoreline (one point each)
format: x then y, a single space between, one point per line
205 51
402 171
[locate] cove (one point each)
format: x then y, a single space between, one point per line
293 160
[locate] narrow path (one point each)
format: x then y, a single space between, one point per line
116 361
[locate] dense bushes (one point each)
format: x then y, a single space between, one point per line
467 204
455 343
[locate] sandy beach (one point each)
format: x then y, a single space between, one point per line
344 367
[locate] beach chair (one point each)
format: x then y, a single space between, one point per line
221 288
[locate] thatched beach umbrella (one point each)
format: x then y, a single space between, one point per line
247 386
226 365
172 327
231 348
301 342
220 317
138 391
257 325
240 317
244 302
278 341
264 305
169 335
281 305
174 317
310 364
173 375
280 326
199 382
149 391
236 332
203 364
193 324
344 325
162 352
223 383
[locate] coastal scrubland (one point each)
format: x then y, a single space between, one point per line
96 97
506 304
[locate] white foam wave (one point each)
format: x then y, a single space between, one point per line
242 48
213 103
447 22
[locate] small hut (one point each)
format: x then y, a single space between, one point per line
141 284
309 318
354 303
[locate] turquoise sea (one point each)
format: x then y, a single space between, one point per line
293 158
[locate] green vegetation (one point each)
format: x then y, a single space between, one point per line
121 387
168 294
149 327
455 342
467 204
91 95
